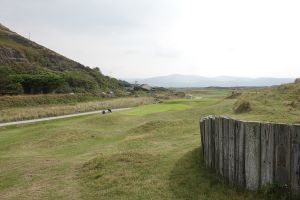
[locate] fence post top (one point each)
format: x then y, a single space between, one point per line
246 121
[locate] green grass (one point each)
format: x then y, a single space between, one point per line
149 109
149 152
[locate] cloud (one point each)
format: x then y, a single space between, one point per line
144 38
167 53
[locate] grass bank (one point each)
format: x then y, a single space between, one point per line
35 112
18 101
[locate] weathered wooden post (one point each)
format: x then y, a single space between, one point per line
225 148
240 153
217 146
205 141
267 153
252 155
219 126
202 135
295 159
211 142
282 153
231 150
209 131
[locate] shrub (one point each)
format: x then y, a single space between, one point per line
80 82
8 84
40 83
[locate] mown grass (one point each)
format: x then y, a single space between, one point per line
149 109
150 152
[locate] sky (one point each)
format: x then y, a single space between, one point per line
146 38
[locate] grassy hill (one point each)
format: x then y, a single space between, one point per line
27 67
281 103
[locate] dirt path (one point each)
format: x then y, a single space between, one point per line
58 117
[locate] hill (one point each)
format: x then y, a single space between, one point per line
273 102
27 67
177 80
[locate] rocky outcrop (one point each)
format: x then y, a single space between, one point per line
297 80
8 55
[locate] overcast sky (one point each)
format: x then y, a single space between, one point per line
145 38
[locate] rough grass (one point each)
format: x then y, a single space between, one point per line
24 113
242 106
44 99
273 104
115 176
153 155
234 95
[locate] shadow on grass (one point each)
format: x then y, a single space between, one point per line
190 179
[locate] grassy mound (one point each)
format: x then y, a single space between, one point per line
154 125
242 106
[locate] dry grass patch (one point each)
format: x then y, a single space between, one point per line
16 114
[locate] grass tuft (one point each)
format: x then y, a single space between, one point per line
242 106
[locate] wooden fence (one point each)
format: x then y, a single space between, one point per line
252 154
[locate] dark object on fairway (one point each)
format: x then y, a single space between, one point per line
109 110
103 112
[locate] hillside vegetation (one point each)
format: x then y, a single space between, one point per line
270 104
26 67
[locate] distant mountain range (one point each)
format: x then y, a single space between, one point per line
177 80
